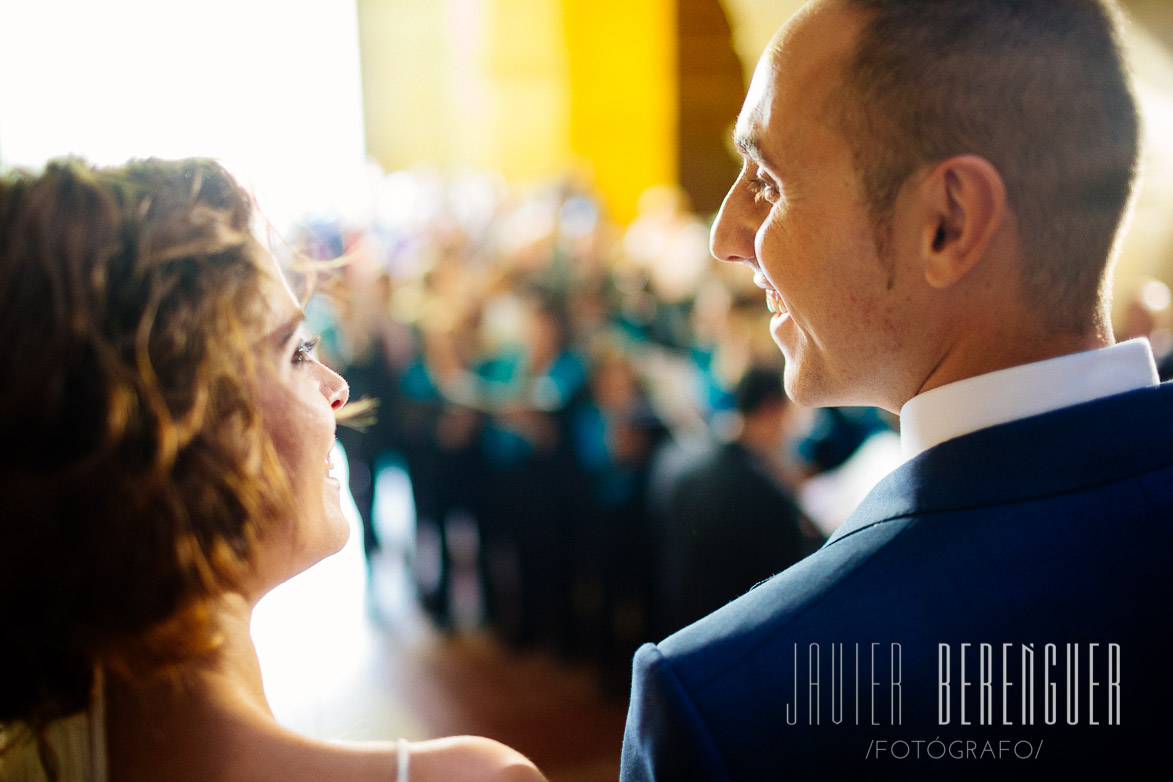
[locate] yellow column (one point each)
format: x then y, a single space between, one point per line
623 95
530 88
514 113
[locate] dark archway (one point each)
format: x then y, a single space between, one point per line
711 90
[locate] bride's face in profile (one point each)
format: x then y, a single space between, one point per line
298 399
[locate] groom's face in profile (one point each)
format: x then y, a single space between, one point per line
796 215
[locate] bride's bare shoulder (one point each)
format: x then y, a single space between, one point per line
470 758
465 758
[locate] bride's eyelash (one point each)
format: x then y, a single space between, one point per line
305 350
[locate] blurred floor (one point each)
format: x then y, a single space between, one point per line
353 658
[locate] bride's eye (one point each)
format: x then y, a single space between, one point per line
304 350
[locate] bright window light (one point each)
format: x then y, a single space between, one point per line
270 87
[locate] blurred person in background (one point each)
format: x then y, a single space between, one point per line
376 358
729 521
530 386
615 431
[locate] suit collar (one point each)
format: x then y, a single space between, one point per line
1053 453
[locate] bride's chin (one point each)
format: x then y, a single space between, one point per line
342 538
339 525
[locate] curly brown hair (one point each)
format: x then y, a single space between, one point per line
135 475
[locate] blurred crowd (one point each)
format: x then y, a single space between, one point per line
605 405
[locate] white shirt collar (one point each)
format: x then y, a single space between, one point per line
994 398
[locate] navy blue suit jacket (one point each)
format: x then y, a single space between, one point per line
1056 529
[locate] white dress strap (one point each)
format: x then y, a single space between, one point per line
401 756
